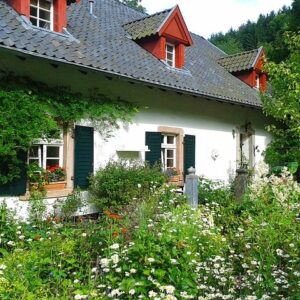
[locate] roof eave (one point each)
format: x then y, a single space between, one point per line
149 82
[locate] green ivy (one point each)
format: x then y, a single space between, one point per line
30 111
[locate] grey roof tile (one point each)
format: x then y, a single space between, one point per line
103 43
147 26
240 61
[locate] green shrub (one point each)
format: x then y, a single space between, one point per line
119 183
71 204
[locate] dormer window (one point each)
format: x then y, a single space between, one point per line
248 67
41 13
163 34
170 55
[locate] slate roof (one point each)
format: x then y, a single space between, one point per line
241 61
148 25
101 43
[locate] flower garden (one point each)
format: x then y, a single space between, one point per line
150 245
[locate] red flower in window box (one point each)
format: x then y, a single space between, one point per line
56 173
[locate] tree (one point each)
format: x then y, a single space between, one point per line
283 104
295 15
268 31
135 4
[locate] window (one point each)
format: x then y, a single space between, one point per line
47 154
169 151
41 13
170 55
257 83
245 146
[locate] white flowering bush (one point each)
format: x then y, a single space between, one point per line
164 258
283 189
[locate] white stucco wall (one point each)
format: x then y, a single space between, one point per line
212 123
21 209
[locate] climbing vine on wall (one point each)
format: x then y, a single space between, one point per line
31 111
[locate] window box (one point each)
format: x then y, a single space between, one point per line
59 185
175 178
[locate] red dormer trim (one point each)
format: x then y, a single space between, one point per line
20 6
60 15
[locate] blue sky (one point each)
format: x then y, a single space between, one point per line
205 17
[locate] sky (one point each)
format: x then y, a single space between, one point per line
205 17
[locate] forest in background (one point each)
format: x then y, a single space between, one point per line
268 31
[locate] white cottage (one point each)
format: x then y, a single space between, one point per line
198 106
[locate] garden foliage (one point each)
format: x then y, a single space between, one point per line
283 105
157 247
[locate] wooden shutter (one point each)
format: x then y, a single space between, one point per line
84 156
18 186
189 152
153 141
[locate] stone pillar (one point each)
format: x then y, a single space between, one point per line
240 183
191 187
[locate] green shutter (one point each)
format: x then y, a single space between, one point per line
18 186
153 141
84 156
189 152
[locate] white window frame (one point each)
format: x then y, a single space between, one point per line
170 63
38 19
167 146
42 152
242 152
257 81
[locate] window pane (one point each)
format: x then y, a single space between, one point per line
169 56
170 48
34 151
45 15
170 153
52 151
33 11
45 4
170 63
33 160
170 139
44 24
33 21
33 2
52 162
170 163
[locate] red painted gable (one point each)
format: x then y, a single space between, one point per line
175 28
